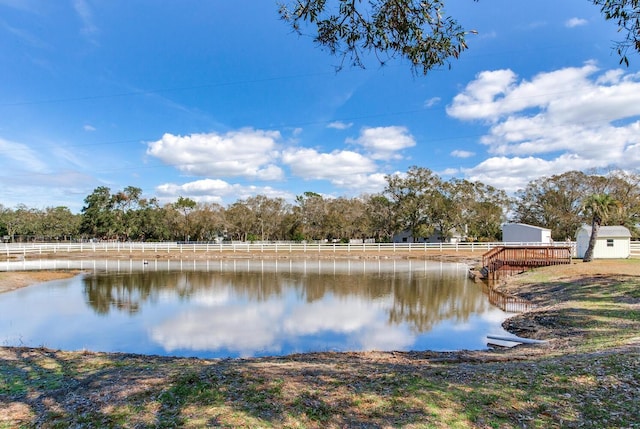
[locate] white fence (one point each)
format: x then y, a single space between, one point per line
10 249
244 247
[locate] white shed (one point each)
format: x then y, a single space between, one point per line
523 233
613 242
436 237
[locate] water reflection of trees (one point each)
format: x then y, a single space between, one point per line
421 300
426 301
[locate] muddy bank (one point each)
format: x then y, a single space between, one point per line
16 279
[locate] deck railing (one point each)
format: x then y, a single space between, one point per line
513 259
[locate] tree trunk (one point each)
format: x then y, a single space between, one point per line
595 226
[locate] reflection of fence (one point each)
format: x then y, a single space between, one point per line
240 265
245 247
514 259
507 303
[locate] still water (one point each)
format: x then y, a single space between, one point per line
244 308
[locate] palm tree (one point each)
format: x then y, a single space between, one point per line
599 207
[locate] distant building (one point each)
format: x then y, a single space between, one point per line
436 237
613 242
523 233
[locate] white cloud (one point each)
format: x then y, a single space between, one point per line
257 155
89 128
86 17
432 101
495 94
449 172
215 190
509 174
362 183
575 22
346 315
462 153
487 35
339 125
384 143
478 99
248 153
63 188
363 322
43 176
567 119
310 164
20 157
239 328
267 326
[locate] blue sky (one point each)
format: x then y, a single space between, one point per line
218 101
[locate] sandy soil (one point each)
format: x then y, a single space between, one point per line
17 279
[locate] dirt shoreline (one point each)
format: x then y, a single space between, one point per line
12 280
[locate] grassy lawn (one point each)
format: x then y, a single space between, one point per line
588 375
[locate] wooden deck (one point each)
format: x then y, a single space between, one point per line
505 260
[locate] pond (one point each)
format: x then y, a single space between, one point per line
246 308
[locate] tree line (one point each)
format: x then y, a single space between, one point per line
418 202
